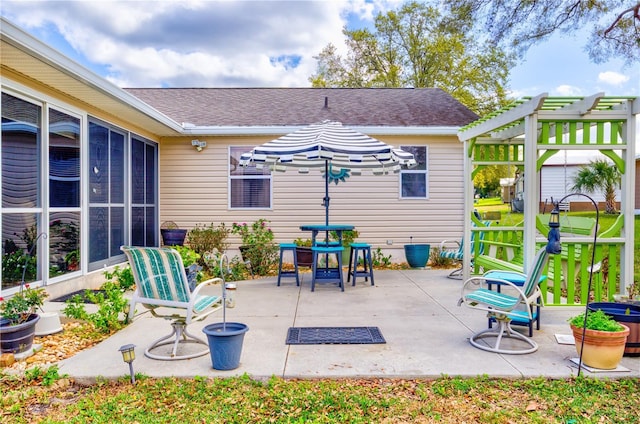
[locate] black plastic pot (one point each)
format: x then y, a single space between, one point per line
18 338
173 237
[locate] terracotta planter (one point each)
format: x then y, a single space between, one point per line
602 349
18 338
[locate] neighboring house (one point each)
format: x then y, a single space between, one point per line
94 166
557 177
637 195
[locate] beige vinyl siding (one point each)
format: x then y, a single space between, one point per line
194 190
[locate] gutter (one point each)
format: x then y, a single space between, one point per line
189 129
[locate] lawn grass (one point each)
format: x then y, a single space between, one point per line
243 400
605 222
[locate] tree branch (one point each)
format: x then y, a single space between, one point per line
636 14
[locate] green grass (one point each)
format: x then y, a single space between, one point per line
605 222
243 400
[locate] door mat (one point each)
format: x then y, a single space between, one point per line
334 335
81 293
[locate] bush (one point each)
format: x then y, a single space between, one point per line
111 306
437 261
203 239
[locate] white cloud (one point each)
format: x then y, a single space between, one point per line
566 90
612 78
198 43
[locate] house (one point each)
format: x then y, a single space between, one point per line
557 177
92 166
637 193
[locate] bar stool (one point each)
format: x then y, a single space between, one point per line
285 273
325 274
366 260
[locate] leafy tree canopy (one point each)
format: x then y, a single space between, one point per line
614 24
419 46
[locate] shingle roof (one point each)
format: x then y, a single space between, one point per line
302 106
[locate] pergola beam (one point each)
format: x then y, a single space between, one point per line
503 119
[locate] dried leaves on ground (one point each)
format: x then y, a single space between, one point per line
242 400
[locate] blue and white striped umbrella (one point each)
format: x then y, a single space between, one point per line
330 147
328 142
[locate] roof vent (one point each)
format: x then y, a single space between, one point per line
326 102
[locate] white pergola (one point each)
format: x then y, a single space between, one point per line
531 130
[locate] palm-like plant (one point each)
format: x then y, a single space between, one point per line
599 175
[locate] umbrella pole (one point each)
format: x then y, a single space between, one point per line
326 194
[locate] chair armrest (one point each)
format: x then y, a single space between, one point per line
448 244
206 283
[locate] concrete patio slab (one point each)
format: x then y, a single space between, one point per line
416 310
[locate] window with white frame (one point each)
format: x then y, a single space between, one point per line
249 187
414 182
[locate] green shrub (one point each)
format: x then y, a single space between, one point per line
204 239
111 307
122 277
379 259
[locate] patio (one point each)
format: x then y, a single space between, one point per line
416 311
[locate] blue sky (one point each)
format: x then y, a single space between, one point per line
261 44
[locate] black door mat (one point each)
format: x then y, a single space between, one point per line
334 335
81 293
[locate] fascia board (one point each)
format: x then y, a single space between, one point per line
282 130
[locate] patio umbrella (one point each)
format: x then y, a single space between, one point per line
331 147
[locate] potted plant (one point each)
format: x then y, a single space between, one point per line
303 252
417 254
171 234
604 339
348 237
18 319
257 245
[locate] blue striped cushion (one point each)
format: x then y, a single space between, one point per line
451 254
492 298
203 302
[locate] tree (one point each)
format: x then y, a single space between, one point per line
419 46
599 175
614 24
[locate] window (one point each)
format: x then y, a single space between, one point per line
144 157
21 190
64 193
106 193
249 187
414 181
109 208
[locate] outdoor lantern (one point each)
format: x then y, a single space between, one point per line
128 355
553 244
